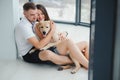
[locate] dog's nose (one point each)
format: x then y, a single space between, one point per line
44 32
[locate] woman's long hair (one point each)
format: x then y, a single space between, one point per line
43 9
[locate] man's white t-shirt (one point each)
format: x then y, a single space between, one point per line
23 31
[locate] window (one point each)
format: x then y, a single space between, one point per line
68 11
85 10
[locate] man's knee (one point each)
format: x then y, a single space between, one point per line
45 55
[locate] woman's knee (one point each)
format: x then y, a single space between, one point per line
65 46
69 41
84 43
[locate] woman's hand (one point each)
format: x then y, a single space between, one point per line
63 36
53 27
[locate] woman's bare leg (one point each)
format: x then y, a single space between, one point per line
84 47
68 45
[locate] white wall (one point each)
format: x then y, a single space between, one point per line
9 17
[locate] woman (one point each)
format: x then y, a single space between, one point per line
82 47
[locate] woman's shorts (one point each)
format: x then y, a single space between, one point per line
34 56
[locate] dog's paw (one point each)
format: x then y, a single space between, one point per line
60 69
75 69
73 72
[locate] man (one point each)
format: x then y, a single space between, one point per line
26 40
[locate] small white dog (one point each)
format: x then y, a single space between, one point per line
44 28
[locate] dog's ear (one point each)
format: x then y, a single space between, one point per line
41 22
47 22
37 24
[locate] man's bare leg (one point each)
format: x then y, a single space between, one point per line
55 58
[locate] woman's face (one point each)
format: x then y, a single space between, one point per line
41 16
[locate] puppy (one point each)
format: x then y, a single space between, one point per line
44 28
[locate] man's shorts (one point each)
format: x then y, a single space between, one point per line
34 56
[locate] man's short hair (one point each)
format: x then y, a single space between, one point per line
29 5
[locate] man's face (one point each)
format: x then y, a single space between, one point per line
31 15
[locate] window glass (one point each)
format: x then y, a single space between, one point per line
60 10
85 10
64 10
